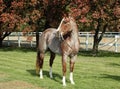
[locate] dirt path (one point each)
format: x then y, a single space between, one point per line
17 85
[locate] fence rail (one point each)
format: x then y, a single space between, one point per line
110 41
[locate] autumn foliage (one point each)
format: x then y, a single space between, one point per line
16 13
34 15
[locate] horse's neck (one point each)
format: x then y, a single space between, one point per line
74 33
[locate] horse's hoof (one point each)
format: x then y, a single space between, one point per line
64 85
51 77
63 81
41 77
73 83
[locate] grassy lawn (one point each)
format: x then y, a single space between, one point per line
17 66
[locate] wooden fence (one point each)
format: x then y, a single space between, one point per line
110 41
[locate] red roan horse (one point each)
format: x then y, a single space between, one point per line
63 41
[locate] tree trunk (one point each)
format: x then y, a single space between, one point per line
98 38
2 37
1 42
95 45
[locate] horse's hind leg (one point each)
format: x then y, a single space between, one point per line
52 57
39 63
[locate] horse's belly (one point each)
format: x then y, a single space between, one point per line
55 49
54 45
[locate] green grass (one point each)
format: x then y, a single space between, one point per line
101 72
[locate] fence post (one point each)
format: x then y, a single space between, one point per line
87 36
19 39
31 40
8 41
116 43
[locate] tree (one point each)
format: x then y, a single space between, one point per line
103 14
18 15
29 15
3 25
35 15
96 15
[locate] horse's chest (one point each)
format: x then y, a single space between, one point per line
70 47
74 49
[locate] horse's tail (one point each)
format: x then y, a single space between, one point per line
38 63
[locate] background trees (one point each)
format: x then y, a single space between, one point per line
18 15
103 14
37 15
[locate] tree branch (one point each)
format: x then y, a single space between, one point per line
6 34
104 30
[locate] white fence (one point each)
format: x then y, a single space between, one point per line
110 41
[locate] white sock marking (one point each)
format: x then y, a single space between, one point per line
50 72
71 78
41 74
64 81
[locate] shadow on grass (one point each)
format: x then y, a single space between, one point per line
56 77
114 64
103 76
99 54
114 77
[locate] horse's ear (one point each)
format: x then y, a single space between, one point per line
71 17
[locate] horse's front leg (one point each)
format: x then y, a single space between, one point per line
72 62
64 60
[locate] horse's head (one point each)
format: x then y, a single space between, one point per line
65 26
